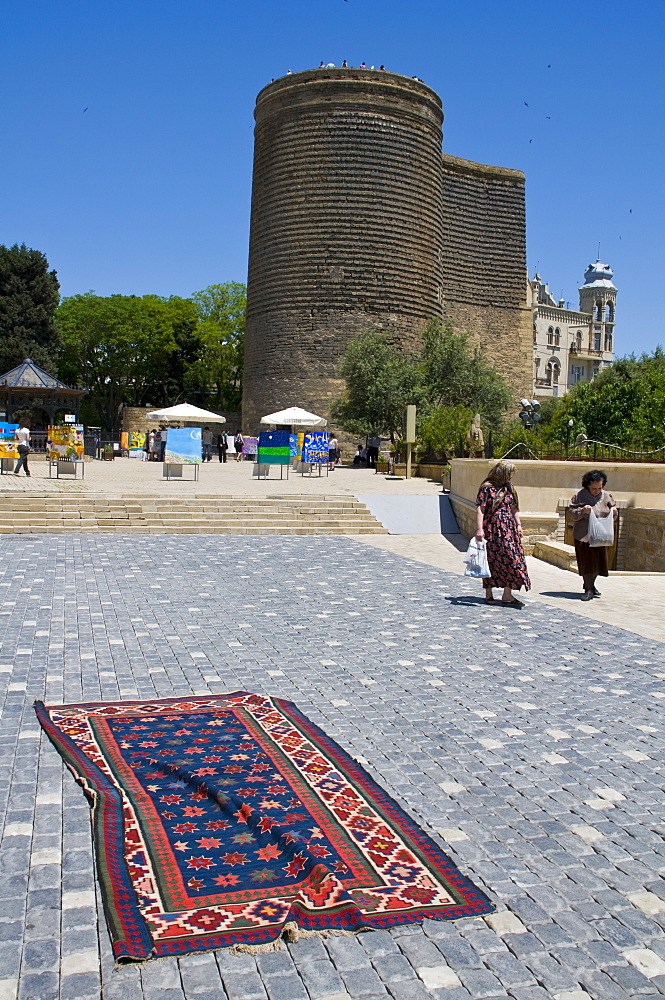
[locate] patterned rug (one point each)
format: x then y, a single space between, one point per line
224 820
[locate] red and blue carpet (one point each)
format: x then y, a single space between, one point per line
222 820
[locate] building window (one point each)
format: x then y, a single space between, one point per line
557 337
578 340
596 341
599 311
596 368
550 336
578 373
552 372
609 313
608 342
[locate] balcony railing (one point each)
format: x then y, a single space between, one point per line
587 352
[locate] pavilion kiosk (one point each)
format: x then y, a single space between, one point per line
183 443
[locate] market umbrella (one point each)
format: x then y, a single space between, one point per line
296 417
184 412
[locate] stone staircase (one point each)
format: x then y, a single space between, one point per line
57 513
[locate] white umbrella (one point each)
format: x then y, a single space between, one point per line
185 411
296 417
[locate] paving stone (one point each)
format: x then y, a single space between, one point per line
288 987
567 900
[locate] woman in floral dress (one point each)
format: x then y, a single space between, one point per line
498 522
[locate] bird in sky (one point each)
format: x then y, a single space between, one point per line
84 110
630 210
549 65
530 140
526 105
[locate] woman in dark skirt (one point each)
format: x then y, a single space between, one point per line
498 522
591 562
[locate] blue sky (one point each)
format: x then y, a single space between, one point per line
148 190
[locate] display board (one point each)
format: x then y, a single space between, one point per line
183 446
250 446
274 448
315 448
296 443
136 443
65 441
7 442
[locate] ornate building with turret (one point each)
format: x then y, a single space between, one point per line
572 346
360 222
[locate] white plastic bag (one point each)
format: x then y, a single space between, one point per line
476 560
601 530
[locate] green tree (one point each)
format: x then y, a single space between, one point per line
381 380
445 426
458 375
624 404
29 295
124 349
216 372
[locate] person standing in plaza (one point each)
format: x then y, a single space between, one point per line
373 445
498 523
591 560
152 445
333 453
162 442
22 438
238 442
222 445
206 441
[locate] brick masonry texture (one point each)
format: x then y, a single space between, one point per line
352 230
530 743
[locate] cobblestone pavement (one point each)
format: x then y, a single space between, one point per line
528 745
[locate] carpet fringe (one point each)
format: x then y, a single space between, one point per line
290 933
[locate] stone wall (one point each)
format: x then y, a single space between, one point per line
645 540
484 265
541 484
346 228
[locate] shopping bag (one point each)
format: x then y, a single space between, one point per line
601 530
476 560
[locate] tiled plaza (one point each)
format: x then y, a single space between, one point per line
528 743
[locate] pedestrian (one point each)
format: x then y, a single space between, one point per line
222 446
162 442
383 68
373 445
152 445
206 441
22 438
238 442
344 64
363 65
333 453
322 65
498 522
591 560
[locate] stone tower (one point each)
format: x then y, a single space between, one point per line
598 297
358 222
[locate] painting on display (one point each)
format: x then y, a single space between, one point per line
7 442
274 448
250 446
315 448
136 443
65 442
295 451
183 446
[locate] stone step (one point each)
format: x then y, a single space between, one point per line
557 554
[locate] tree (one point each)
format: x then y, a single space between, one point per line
216 373
624 404
381 380
445 426
123 349
458 375
29 295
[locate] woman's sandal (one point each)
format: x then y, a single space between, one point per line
512 604
489 600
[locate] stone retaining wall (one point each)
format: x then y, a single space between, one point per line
645 540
